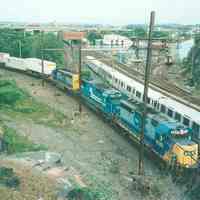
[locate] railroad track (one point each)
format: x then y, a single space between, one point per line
163 86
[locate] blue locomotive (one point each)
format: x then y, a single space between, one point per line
100 97
167 138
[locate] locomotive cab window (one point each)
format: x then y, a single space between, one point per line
154 122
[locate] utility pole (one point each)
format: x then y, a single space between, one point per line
20 48
146 85
79 72
42 52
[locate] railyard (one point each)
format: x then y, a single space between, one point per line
166 87
103 114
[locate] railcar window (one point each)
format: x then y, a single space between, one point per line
170 113
196 127
128 88
163 108
155 104
116 80
148 100
122 84
178 116
186 121
158 106
138 94
133 91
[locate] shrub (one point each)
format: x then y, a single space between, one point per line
16 143
10 93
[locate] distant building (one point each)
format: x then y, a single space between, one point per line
117 40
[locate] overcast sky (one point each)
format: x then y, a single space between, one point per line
115 12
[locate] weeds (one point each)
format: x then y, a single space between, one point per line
16 102
16 143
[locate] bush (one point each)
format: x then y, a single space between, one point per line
16 143
84 194
10 93
8 178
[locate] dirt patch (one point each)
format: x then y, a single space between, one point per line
33 185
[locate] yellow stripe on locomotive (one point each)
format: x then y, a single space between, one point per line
75 82
183 155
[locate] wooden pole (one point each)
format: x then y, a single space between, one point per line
20 48
42 52
146 85
79 72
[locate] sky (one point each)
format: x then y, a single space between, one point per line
116 12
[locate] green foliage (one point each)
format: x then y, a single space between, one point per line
30 45
92 36
10 93
134 31
86 193
16 143
140 32
17 102
160 34
8 178
192 63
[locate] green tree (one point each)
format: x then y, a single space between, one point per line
31 45
140 32
92 36
160 34
192 63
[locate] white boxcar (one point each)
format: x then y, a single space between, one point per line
4 57
35 65
16 63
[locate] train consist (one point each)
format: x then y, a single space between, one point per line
32 65
165 137
158 101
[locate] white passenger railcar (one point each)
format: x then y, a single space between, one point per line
160 102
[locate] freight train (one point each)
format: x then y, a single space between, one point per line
165 137
32 65
133 89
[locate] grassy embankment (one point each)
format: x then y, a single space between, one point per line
18 104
